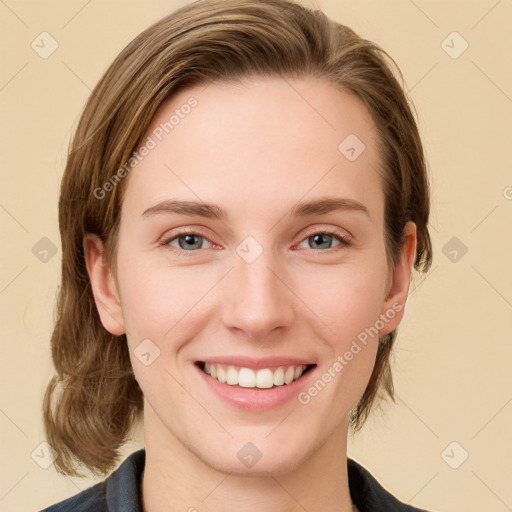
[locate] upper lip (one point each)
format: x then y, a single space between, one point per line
256 364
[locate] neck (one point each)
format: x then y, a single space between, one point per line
175 478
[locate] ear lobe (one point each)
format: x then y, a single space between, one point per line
103 286
393 307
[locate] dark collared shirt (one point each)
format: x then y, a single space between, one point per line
120 492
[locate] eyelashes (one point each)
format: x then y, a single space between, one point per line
342 239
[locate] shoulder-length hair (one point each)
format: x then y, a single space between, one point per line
93 400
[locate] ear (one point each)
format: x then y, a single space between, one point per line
397 287
103 286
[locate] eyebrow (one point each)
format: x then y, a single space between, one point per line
201 209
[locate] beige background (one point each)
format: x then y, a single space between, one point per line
453 356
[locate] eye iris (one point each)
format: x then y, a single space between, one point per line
317 238
189 242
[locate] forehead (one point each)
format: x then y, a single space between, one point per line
255 142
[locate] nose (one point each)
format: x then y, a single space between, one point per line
258 301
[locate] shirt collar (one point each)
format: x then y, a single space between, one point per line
123 488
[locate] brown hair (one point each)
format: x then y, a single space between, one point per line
91 404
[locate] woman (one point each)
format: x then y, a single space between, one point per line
243 205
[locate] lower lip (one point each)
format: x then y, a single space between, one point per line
255 399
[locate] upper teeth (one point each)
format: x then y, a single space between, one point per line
249 378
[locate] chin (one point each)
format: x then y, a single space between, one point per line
257 458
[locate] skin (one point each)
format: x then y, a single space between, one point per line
255 148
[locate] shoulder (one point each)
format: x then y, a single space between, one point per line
88 500
369 496
120 491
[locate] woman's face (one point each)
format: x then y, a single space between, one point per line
276 258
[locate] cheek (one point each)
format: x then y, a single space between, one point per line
155 298
350 306
346 299
161 304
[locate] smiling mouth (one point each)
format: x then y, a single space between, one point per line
263 378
